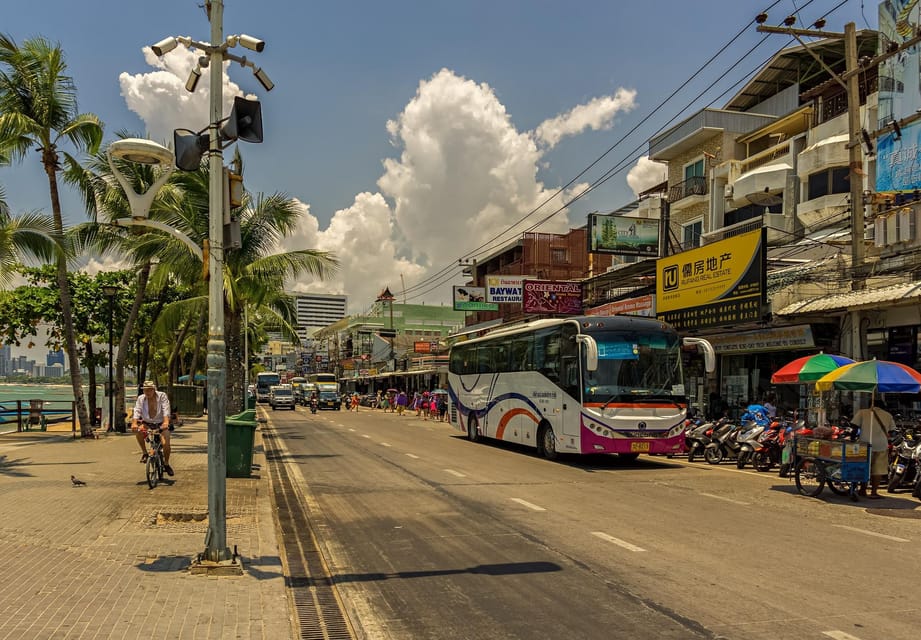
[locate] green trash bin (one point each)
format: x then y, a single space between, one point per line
241 436
250 402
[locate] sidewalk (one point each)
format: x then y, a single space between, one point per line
110 560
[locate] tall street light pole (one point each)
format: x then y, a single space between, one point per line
109 292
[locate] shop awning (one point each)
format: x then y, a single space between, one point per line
909 293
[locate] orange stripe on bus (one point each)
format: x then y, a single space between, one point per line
508 416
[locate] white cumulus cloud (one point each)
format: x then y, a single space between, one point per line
646 174
463 175
596 114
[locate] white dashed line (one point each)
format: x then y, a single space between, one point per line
386 444
620 543
527 504
352 430
839 635
871 533
365 435
716 497
413 456
455 473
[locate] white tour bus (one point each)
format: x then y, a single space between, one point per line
586 384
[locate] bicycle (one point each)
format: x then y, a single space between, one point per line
156 466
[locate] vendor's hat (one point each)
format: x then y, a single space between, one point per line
149 384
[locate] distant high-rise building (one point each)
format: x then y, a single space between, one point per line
316 310
55 357
6 354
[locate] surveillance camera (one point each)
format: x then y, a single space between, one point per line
251 43
263 79
164 46
192 82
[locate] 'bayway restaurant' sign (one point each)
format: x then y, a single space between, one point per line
504 289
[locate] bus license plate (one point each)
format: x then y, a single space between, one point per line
639 447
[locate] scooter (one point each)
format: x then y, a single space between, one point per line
695 437
905 468
748 441
313 406
720 445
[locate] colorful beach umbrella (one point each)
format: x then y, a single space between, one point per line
809 368
882 376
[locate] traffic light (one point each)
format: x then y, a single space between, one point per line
244 123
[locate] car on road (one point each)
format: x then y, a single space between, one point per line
329 400
281 396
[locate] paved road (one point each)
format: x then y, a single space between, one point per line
431 536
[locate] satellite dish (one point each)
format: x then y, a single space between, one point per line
764 198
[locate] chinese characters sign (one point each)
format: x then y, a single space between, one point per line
545 296
716 285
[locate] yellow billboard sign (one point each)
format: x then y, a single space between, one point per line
719 284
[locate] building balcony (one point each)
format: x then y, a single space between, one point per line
694 186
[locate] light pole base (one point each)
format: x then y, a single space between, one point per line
231 567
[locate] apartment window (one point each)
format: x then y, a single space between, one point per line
691 234
695 183
558 255
823 183
694 170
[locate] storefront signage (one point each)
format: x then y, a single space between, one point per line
547 296
781 338
720 284
472 299
425 347
623 235
642 306
898 154
504 289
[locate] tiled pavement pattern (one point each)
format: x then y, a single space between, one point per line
110 560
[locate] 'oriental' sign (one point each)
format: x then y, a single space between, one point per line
546 296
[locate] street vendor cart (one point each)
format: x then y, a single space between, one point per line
840 464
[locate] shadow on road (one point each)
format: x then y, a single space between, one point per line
501 569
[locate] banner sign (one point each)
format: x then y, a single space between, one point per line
622 235
548 296
720 284
642 306
504 289
778 339
472 299
425 347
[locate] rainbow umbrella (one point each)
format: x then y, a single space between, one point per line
882 376
809 368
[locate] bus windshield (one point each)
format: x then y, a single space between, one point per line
633 366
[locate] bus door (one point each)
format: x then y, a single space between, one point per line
570 382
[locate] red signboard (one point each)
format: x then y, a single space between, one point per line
422 347
547 296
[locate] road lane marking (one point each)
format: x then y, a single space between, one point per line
365 435
839 635
716 497
413 456
352 430
527 504
620 543
455 473
386 444
871 533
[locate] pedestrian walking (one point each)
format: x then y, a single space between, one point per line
401 402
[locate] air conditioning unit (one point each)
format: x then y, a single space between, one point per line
879 232
906 225
727 192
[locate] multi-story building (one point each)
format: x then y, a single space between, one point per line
316 310
6 353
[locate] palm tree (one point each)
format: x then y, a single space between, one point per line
30 235
38 108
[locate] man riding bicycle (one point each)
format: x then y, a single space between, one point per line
152 411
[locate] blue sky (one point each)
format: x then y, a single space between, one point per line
415 132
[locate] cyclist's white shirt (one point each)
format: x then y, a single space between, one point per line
143 413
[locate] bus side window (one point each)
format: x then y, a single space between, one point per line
520 359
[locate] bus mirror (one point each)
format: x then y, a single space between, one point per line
591 351
707 349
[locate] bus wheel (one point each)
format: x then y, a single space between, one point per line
473 427
546 442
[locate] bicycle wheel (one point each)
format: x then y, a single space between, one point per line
153 476
834 482
810 477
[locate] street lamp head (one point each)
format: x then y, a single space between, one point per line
251 43
109 291
141 151
164 46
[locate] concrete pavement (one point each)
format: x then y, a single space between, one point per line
111 559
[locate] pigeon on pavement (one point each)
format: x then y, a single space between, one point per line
76 482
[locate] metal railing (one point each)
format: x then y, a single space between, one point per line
693 186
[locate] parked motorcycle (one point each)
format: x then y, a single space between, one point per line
722 443
697 437
905 468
